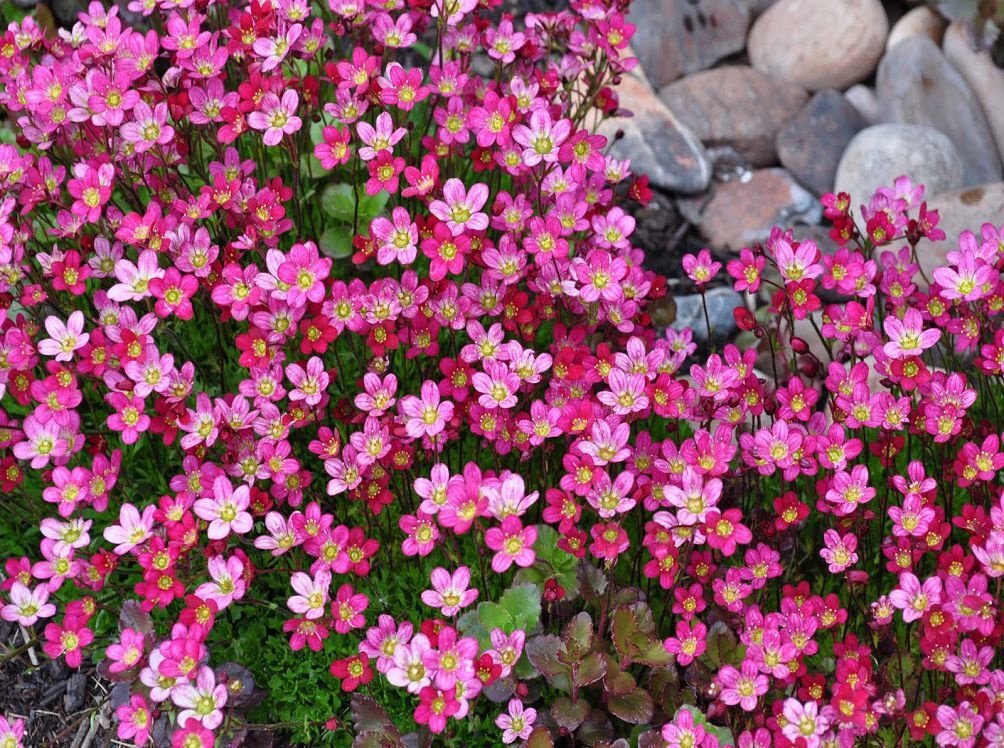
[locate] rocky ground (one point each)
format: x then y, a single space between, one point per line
746 111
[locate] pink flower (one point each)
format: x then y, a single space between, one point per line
64 339
128 652
449 592
914 598
517 722
135 720
839 552
226 512
436 707
743 687
149 127
452 659
461 208
133 528
11 732
174 293
347 609
804 722
907 336
427 415
276 117
227 582
91 188
312 594
27 605
203 701
397 237
127 416
542 138
512 543
274 50
725 530
310 383
960 726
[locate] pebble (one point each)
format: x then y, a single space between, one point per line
866 102
678 37
811 144
76 693
918 85
721 301
657 143
879 154
735 106
740 213
819 43
920 21
984 78
960 210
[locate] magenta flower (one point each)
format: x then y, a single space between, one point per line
174 293
512 543
914 598
347 609
542 138
91 188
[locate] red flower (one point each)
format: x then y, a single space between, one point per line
353 671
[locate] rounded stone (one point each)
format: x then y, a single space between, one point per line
879 154
819 43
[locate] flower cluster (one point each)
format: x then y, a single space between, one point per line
247 244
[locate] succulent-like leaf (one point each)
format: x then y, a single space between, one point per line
569 714
636 707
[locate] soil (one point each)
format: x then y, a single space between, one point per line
62 708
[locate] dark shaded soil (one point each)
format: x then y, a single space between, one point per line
62 708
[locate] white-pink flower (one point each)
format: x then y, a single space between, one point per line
203 700
914 598
907 336
460 208
426 415
517 723
226 512
227 582
312 593
27 605
133 528
64 339
276 117
449 592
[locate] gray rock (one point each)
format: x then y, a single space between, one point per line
879 154
819 43
918 85
678 37
721 301
657 143
920 21
741 213
866 102
984 78
735 106
810 145
959 210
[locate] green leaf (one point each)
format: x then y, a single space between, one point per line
336 242
338 202
635 707
522 602
494 616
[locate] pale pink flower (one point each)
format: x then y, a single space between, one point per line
133 528
449 592
64 339
276 117
460 208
